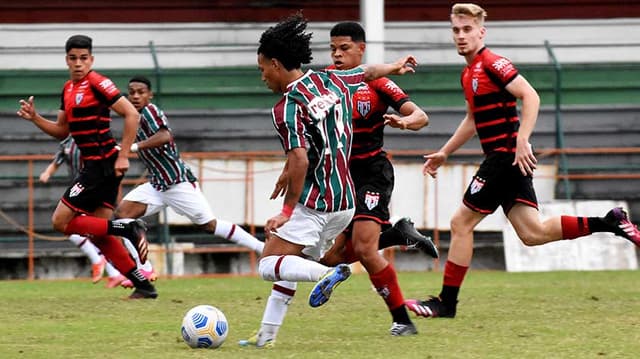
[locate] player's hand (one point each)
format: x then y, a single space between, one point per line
405 64
27 109
44 177
281 186
394 121
525 159
432 163
275 222
121 166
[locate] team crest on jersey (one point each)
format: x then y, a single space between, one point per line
474 84
363 108
476 185
371 199
79 98
76 189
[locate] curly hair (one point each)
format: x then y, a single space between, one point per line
287 42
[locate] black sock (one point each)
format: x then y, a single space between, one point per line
598 224
449 295
139 280
119 229
400 315
391 237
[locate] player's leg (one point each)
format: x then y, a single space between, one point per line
187 199
382 275
458 260
274 313
98 262
532 232
404 233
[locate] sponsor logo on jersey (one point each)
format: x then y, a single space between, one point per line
476 185
371 199
76 189
319 106
107 85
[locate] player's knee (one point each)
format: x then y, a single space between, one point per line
529 240
267 268
58 224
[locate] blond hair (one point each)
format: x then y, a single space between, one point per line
469 9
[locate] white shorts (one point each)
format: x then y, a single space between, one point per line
184 198
314 229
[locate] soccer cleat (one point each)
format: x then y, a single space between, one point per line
322 290
255 341
151 276
432 307
138 237
98 269
623 227
140 293
414 238
113 282
402 329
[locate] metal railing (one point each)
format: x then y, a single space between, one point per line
29 161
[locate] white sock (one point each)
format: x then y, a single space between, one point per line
291 268
237 234
132 251
276 309
112 272
87 247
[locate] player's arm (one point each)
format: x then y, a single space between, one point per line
158 139
281 184
49 171
58 129
131 118
412 117
521 89
297 164
400 67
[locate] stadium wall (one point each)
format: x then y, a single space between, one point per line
143 11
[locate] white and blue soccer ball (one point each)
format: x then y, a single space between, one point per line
204 326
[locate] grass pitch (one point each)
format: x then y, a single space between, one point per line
500 315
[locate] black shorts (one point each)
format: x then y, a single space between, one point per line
96 186
499 183
373 179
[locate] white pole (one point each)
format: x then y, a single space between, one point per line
372 19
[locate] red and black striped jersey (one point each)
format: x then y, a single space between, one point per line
370 102
493 107
86 104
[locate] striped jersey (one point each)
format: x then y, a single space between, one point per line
493 107
164 164
370 102
86 105
69 153
315 114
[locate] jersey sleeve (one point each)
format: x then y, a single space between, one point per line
155 118
103 86
288 120
501 70
390 93
353 78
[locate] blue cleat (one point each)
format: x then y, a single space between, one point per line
321 292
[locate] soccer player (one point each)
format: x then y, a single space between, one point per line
69 153
171 182
313 120
87 204
492 86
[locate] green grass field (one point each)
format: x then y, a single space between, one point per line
501 315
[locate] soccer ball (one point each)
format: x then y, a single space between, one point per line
204 326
